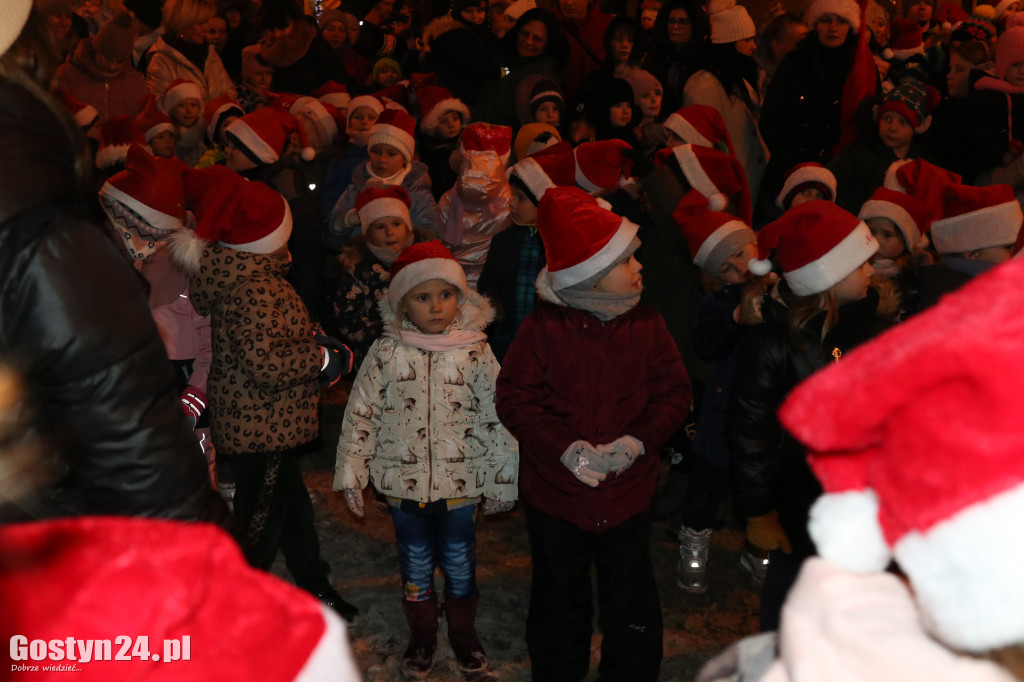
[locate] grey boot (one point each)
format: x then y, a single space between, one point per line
693 559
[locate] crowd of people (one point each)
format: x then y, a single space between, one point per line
547 242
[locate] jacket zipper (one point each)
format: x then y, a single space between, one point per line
430 430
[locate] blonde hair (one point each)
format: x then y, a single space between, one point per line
180 15
802 309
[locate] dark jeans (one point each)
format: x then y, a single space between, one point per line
559 624
708 486
273 506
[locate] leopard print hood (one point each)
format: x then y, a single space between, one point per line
474 315
222 268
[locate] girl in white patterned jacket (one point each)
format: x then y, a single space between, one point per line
421 424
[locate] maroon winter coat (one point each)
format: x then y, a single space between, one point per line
568 376
121 95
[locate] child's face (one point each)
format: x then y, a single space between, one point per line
919 11
185 113
650 103
735 270
620 114
387 76
956 79
624 278
895 131
521 209
388 233
804 195
450 125
361 120
260 79
235 158
474 15
746 46
432 305
234 17
224 126
647 18
889 237
335 34
854 286
386 160
217 33
311 131
162 144
1015 74
353 28
549 113
622 46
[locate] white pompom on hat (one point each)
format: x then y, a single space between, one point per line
716 175
423 262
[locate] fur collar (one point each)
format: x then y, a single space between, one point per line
291 47
474 315
439 27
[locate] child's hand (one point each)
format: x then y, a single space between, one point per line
765 532
580 459
620 454
354 501
492 506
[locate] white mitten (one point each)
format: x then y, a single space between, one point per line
580 458
620 454
354 501
492 506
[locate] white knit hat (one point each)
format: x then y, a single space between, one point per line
729 22
13 15
396 128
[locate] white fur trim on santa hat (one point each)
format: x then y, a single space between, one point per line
694 172
338 100
326 126
686 132
584 182
331 658
1002 7
609 253
847 9
876 208
533 176
385 133
966 573
803 176
111 155
716 237
368 101
892 180
832 267
181 91
431 120
990 226
447 269
271 242
253 142
907 53
845 530
153 217
162 127
385 207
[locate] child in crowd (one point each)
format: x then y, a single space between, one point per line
257 74
444 117
363 112
385 73
267 369
698 124
533 137
391 147
219 114
421 425
183 103
591 383
159 132
539 100
806 182
822 307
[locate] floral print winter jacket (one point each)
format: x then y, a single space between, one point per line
422 424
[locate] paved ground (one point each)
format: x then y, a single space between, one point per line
365 570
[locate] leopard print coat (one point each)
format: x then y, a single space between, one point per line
263 384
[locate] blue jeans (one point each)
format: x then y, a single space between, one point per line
446 539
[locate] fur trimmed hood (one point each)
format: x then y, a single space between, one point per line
474 315
439 27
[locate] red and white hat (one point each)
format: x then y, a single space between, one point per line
421 263
487 137
907 39
265 133
151 187
369 101
177 91
151 121
803 175
907 213
849 10
817 244
701 125
716 175
335 94
117 134
581 238
553 166
324 118
920 179
85 114
217 110
396 128
435 102
375 203
972 218
711 235
603 165
928 471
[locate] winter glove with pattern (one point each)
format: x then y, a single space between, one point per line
580 458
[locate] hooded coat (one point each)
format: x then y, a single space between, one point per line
166 65
112 95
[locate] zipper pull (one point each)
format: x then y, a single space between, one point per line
836 353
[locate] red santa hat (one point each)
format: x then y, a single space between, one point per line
265 134
396 128
603 165
324 118
849 10
817 244
802 176
701 125
928 471
423 262
178 91
972 218
920 179
395 96
906 41
151 187
581 238
219 109
375 203
85 115
711 235
335 94
906 212
151 121
435 102
117 134
716 175
553 166
487 137
369 101
232 212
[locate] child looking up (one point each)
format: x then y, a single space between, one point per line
421 425
591 383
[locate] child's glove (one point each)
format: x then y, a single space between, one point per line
620 454
351 218
764 532
354 501
193 403
492 506
336 358
580 458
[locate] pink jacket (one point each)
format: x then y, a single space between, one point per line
121 95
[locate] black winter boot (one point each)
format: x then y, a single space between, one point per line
461 614
418 659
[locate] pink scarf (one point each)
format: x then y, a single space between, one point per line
452 340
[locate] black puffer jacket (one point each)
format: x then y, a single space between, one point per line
75 322
769 467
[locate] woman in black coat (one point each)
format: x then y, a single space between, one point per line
674 53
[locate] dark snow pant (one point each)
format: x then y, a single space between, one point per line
273 506
560 621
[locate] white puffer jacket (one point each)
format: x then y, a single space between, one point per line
422 424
